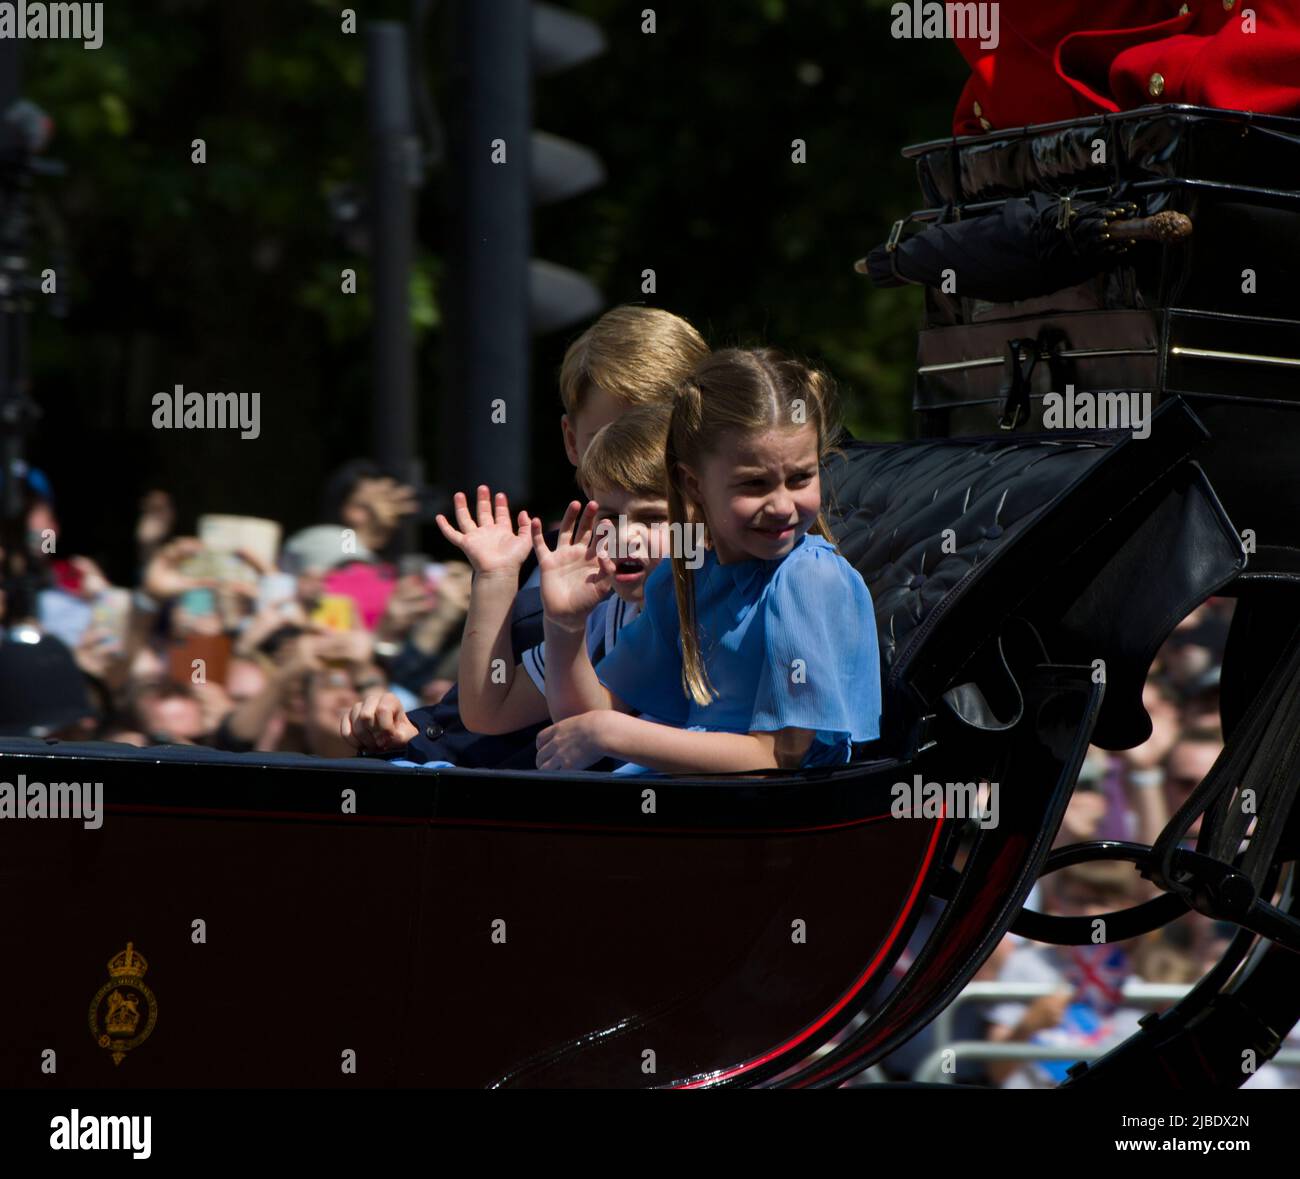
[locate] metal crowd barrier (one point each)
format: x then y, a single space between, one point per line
1136 994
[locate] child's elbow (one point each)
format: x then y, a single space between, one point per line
790 747
484 726
477 718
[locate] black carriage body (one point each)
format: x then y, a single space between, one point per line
479 927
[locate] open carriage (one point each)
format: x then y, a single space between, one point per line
309 923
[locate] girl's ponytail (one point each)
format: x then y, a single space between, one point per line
685 424
819 390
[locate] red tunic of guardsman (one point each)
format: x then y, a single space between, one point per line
1062 61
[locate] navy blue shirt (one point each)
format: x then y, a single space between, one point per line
444 738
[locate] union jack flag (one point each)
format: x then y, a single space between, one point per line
1097 974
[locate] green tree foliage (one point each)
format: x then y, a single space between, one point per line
226 275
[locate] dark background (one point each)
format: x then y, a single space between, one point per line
225 276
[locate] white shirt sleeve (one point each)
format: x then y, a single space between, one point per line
1030 963
534 659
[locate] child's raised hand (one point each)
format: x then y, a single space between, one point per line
574 577
490 543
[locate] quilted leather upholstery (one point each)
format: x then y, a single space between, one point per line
919 520
957 537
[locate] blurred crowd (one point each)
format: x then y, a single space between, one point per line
253 649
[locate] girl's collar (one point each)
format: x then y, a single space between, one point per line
755 570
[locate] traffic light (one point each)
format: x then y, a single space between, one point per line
561 169
497 295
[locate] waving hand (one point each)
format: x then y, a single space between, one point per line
574 577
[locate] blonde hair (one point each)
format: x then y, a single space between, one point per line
628 454
637 354
1156 961
747 391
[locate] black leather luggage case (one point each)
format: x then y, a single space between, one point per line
1168 319
966 373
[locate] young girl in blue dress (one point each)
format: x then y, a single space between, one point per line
765 655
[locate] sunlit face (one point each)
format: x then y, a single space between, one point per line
244 680
335 688
1080 900
598 410
179 718
357 511
643 532
759 492
1186 767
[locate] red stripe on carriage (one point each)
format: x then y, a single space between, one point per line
848 995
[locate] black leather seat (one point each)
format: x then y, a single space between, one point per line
1100 541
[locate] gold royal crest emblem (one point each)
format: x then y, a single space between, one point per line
123 1011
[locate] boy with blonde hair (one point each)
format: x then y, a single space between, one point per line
631 356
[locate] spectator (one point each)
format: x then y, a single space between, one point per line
313 678
1087 1008
1200 709
245 678
1186 767
170 714
329 692
360 496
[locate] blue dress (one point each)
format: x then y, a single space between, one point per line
788 643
